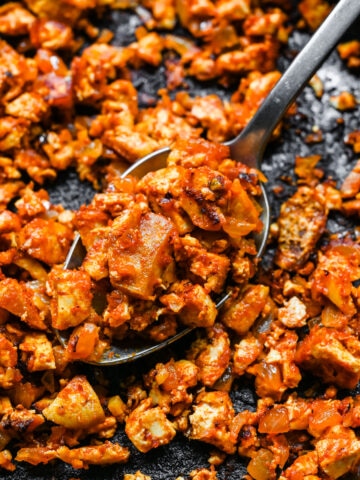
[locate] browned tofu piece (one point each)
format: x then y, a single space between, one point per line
301 222
332 355
148 427
10 376
139 256
38 353
15 19
337 268
105 454
191 303
76 406
19 299
204 267
46 240
338 451
211 420
211 354
239 314
71 301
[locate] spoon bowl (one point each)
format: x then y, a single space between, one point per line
248 147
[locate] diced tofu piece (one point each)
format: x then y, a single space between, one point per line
118 310
240 314
107 453
28 105
18 299
9 374
171 383
38 352
304 465
314 12
147 427
162 188
46 240
6 461
265 24
64 11
351 185
211 420
22 420
192 304
233 9
76 406
324 351
192 12
139 255
209 269
299 411
104 454
337 268
293 314
325 415
211 355
301 222
245 353
71 297
9 222
15 19
51 34
277 370
338 451
129 143
36 455
95 261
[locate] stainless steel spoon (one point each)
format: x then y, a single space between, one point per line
248 147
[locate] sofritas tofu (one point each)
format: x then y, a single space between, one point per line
191 303
10 375
211 420
331 450
46 240
37 352
71 297
171 385
76 406
201 265
80 458
301 222
211 354
332 354
148 427
18 298
15 19
139 255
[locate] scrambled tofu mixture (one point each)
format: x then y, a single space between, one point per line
161 248
158 250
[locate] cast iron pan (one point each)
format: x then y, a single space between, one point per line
182 456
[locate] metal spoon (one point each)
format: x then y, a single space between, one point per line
248 147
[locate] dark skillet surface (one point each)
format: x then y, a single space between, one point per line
182 456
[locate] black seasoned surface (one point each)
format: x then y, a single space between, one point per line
182 456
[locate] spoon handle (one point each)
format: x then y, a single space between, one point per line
250 144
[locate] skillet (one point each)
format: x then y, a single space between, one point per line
181 456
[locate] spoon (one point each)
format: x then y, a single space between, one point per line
248 147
